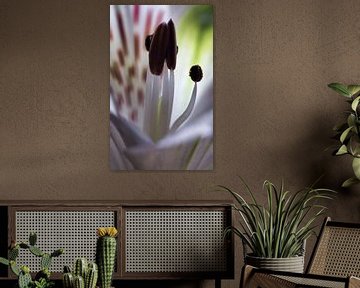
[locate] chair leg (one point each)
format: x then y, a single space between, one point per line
246 276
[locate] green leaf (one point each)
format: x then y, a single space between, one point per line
345 134
342 150
14 268
351 120
4 261
355 103
354 145
349 182
356 167
340 88
353 89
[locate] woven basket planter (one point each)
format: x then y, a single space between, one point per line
291 264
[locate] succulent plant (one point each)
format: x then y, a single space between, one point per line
85 275
106 254
42 278
42 283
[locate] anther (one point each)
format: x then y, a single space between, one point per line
196 73
158 48
148 40
172 47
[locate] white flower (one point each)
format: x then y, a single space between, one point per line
153 124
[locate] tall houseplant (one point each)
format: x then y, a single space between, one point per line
275 233
348 133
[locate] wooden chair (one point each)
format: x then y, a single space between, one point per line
335 262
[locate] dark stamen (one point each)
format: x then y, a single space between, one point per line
148 40
172 47
158 49
196 73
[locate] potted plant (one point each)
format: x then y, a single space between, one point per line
275 233
348 133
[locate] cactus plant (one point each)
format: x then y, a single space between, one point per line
68 280
42 278
91 276
45 261
79 282
80 268
36 251
105 254
84 274
13 253
24 280
32 238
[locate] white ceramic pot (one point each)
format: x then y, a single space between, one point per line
291 264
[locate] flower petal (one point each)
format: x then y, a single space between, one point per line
118 160
186 156
130 133
190 148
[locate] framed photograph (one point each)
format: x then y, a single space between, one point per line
161 87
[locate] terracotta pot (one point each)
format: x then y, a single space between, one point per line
291 264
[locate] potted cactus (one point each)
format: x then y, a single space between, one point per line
42 278
84 275
106 254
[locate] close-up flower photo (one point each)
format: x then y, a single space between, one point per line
161 87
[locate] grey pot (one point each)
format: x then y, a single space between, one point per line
291 264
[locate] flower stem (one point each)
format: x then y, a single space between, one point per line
184 116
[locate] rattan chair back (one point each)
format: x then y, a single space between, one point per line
337 252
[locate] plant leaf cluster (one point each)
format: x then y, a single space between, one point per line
348 133
279 229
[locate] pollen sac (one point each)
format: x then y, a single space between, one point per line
158 49
196 73
148 40
172 47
